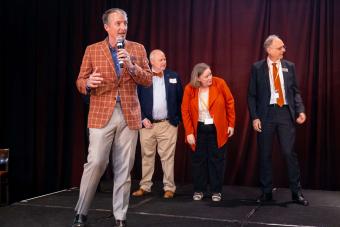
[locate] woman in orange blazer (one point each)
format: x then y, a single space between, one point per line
208 115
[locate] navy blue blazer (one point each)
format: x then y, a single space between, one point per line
174 94
259 90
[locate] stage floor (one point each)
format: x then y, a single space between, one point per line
238 208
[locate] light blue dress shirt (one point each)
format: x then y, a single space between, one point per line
159 109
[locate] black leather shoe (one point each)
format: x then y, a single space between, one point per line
265 197
299 198
79 220
120 223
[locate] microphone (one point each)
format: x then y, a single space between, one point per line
120 45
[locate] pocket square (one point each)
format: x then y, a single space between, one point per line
284 70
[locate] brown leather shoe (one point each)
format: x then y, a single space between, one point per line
168 194
140 192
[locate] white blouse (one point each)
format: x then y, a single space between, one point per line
203 105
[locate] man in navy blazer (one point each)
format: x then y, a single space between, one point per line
275 105
161 114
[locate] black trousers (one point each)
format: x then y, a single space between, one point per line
278 122
208 161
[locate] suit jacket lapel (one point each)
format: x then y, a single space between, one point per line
195 99
213 93
108 56
166 84
129 49
284 73
265 70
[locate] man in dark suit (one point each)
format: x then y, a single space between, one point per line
161 114
275 104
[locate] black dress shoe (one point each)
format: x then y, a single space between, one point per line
265 197
120 223
299 198
79 220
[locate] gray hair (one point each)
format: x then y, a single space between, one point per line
152 54
196 72
107 13
269 41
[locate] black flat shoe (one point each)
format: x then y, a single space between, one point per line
299 199
265 197
79 220
120 223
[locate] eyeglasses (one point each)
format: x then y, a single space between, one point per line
280 48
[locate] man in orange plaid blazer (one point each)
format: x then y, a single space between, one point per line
110 75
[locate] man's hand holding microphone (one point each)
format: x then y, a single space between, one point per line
123 55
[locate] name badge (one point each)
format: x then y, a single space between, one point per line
285 70
173 80
209 121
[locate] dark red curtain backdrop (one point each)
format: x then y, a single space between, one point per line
43 117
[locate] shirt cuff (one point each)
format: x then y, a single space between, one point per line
88 90
132 69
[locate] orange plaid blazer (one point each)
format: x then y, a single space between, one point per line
103 98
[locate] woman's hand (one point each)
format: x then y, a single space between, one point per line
191 139
230 131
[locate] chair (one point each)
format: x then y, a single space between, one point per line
4 191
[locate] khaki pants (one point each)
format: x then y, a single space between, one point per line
162 136
115 138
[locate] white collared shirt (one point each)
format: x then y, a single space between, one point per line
272 87
159 109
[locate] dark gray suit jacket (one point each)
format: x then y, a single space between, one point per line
259 90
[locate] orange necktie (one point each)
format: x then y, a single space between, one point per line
277 85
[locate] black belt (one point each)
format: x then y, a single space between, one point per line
275 105
158 121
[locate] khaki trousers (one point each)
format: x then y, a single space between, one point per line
115 138
163 137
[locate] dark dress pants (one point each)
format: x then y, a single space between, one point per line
208 161
278 122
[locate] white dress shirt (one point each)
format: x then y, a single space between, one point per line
159 109
271 79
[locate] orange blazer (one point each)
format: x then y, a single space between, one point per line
103 98
221 109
